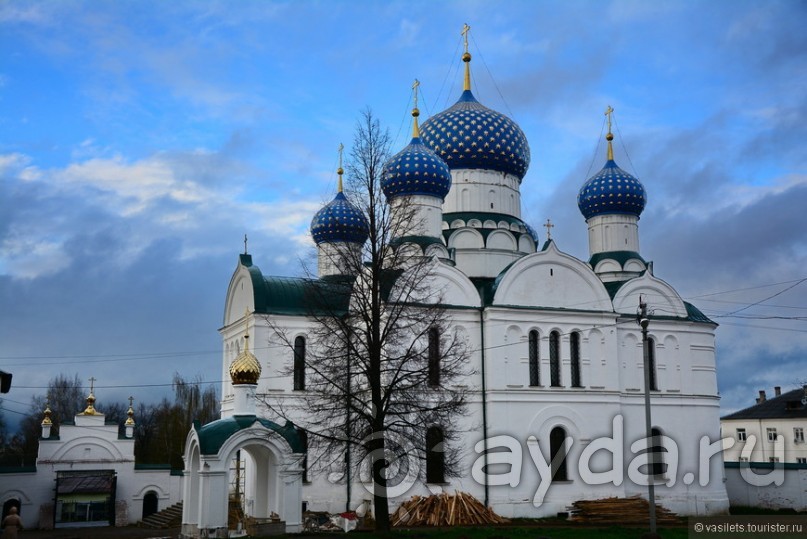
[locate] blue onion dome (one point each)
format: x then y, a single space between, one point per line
611 190
416 170
339 221
470 135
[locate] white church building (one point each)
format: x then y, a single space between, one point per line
557 351
86 475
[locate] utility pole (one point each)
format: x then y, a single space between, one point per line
651 488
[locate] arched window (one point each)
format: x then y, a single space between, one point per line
554 358
434 357
435 456
535 367
557 452
651 363
299 363
574 348
304 441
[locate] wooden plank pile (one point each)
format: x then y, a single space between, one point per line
618 511
459 509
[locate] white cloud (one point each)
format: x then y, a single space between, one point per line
13 161
133 186
127 206
25 257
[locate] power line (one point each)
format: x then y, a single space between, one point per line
797 283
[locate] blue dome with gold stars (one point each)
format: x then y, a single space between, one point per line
416 170
339 221
470 135
611 190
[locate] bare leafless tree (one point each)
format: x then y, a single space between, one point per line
383 365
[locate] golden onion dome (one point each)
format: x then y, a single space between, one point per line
245 369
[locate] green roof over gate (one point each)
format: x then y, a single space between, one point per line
213 435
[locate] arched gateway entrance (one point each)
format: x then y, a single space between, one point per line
272 480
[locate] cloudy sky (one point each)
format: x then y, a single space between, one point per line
140 141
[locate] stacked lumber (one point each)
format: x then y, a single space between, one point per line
618 511
459 509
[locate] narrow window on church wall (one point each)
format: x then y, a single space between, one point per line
651 363
557 450
299 363
304 441
435 456
554 359
535 369
574 346
434 357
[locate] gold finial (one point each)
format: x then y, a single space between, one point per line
130 412
47 420
609 137
466 57
415 111
339 170
90 409
549 226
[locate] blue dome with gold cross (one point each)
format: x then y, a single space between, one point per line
470 135
339 221
416 170
611 190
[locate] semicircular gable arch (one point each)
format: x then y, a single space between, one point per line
443 283
661 298
501 239
550 278
67 450
466 238
241 293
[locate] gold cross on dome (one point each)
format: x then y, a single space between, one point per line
415 86
608 112
131 400
464 33
92 383
549 226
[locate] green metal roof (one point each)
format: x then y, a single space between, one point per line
298 295
482 217
213 435
694 314
620 257
422 241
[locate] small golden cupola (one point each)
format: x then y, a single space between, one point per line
47 420
130 422
90 409
245 369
